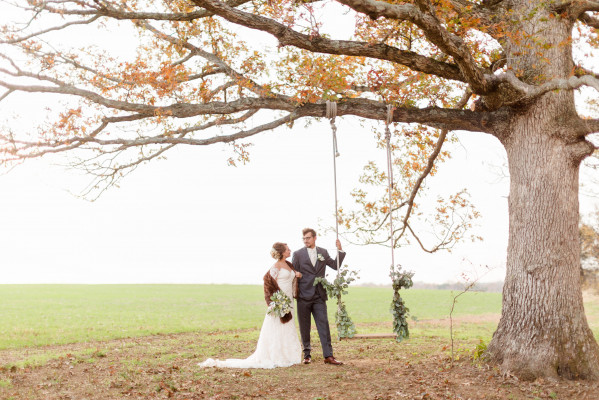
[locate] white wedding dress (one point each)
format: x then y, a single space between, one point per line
278 344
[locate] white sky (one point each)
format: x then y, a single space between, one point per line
193 219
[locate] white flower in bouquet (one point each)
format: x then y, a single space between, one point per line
280 305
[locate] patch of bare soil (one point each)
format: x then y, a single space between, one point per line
164 367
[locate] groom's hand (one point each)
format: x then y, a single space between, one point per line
339 245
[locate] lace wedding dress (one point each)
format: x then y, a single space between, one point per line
278 344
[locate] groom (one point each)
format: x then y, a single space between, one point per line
311 261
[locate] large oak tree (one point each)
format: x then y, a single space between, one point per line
508 68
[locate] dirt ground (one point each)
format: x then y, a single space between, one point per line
164 367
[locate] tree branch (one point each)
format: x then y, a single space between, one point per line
415 189
105 11
530 92
580 71
450 119
20 149
425 19
592 125
5 95
54 28
287 36
434 249
589 20
221 65
430 163
575 8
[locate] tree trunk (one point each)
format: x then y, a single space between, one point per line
543 331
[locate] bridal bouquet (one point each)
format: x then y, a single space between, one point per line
281 304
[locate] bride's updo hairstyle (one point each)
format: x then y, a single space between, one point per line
277 250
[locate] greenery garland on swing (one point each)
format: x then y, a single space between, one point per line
401 279
345 276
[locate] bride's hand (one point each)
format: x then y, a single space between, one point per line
298 274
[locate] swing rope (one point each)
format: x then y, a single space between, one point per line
345 326
331 113
390 179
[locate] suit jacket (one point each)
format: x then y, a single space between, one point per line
301 263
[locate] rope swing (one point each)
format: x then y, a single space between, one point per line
400 279
390 178
331 113
345 326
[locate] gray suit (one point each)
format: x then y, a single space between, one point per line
312 299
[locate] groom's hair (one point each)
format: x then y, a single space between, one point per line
309 230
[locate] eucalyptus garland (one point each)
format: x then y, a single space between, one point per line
345 326
401 279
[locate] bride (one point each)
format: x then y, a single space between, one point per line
278 345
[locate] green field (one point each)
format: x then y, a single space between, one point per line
38 315
56 343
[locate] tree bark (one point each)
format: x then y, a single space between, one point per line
543 331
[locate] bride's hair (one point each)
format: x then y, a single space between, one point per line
277 250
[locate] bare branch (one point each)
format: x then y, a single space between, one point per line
434 249
105 11
54 28
21 148
429 166
5 95
218 122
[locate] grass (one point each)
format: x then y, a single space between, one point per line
38 315
147 361
165 367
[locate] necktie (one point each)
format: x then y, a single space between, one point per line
312 254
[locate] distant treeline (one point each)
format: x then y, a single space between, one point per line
590 281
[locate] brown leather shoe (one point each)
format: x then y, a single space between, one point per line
307 360
331 360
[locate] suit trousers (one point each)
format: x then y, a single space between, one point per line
316 307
